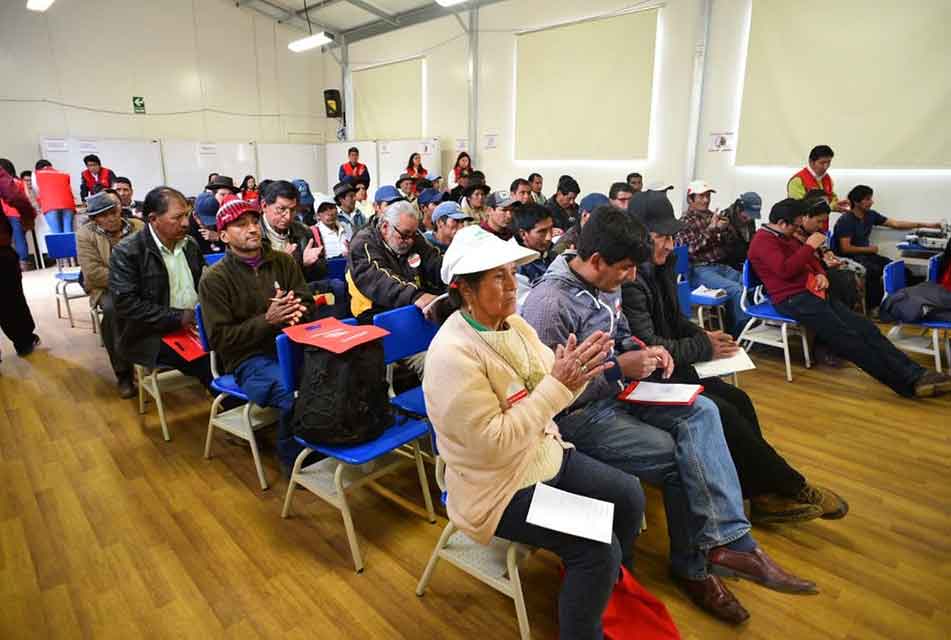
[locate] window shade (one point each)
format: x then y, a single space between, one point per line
388 101
583 91
870 79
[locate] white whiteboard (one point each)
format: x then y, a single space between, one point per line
293 161
337 155
188 163
394 155
138 160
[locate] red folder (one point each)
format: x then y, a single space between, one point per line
683 400
185 343
332 335
813 286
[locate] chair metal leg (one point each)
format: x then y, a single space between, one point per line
423 482
434 558
140 377
805 348
785 332
511 561
947 347
721 319
298 463
348 520
160 405
700 316
69 309
936 345
59 312
215 405
254 447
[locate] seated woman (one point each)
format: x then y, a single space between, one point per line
777 492
495 429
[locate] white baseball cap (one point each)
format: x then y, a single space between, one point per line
699 186
322 199
474 250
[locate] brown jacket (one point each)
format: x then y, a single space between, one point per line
94 250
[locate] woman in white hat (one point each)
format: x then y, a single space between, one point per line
495 430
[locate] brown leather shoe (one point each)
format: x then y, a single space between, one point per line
832 505
932 384
710 594
774 508
758 567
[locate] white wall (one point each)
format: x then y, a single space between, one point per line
200 58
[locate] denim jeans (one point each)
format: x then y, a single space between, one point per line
591 568
720 276
681 449
19 239
854 337
260 379
59 220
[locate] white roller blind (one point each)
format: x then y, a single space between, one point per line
583 91
870 79
388 100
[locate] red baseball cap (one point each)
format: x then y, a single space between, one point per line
232 209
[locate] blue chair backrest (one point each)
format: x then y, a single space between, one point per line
894 277
683 259
61 245
212 258
290 356
410 332
750 279
933 267
201 328
683 296
337 268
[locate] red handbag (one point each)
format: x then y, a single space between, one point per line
633 613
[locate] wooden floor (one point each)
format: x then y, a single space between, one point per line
108 531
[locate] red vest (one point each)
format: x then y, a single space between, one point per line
9 209
55 191
352 171
420 174
91 182
809 181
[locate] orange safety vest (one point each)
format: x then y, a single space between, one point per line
8 209
55 190
354 171
102 179
809 181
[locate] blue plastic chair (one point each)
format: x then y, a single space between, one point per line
701 302
241 421
62 246
337 268
893 279
342 470
410 333
212 258
766 325
933 263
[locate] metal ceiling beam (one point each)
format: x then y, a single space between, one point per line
286 16
317 6
408 19
379 13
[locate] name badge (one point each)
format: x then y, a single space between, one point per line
414 260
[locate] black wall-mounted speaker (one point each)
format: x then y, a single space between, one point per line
332 103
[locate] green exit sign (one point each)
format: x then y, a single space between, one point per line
138 104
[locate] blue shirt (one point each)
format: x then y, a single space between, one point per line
849 226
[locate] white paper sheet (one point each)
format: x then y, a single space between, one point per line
709 293
740 361
570 513
658 393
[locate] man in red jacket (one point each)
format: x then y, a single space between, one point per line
95 178
16 321
797 284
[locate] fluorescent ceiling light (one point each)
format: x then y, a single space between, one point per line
449 3
38 5
311 42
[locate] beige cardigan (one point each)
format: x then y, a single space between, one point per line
486 443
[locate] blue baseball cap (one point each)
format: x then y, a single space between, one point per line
305 197
387 194
206 208
428 196
450 210
592 201
752 204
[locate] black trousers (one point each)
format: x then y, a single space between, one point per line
759 466
874 268
855 338
121 366
200 368
16 321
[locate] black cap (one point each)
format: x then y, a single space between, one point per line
654 211
343 188
786 211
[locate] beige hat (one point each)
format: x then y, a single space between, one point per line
474 250
699 186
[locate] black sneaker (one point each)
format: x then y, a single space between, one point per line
28 349
126 388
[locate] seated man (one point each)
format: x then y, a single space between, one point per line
562 205
131 208
796 282
533 227
447 219
498 219
537 183
777 491
636 181
247 298
852 232
345 195
681 449
521 190
474 201
427 202
94 243
620 195
392 266
569 239
708 236
283 232
153 279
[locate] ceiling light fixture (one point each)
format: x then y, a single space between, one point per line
312 41
449 3
38 5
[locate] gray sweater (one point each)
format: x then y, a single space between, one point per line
561 303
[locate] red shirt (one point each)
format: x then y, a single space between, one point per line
782 263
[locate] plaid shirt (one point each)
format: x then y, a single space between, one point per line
704 244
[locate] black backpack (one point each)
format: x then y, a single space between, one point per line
343 399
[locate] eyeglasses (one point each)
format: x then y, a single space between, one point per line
281 211
404 235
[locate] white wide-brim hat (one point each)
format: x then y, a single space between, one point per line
474 250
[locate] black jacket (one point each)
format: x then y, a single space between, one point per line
564 219
380 280
138 282
652 309
300 234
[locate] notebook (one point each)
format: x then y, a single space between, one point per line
660 393
570 513
740 361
